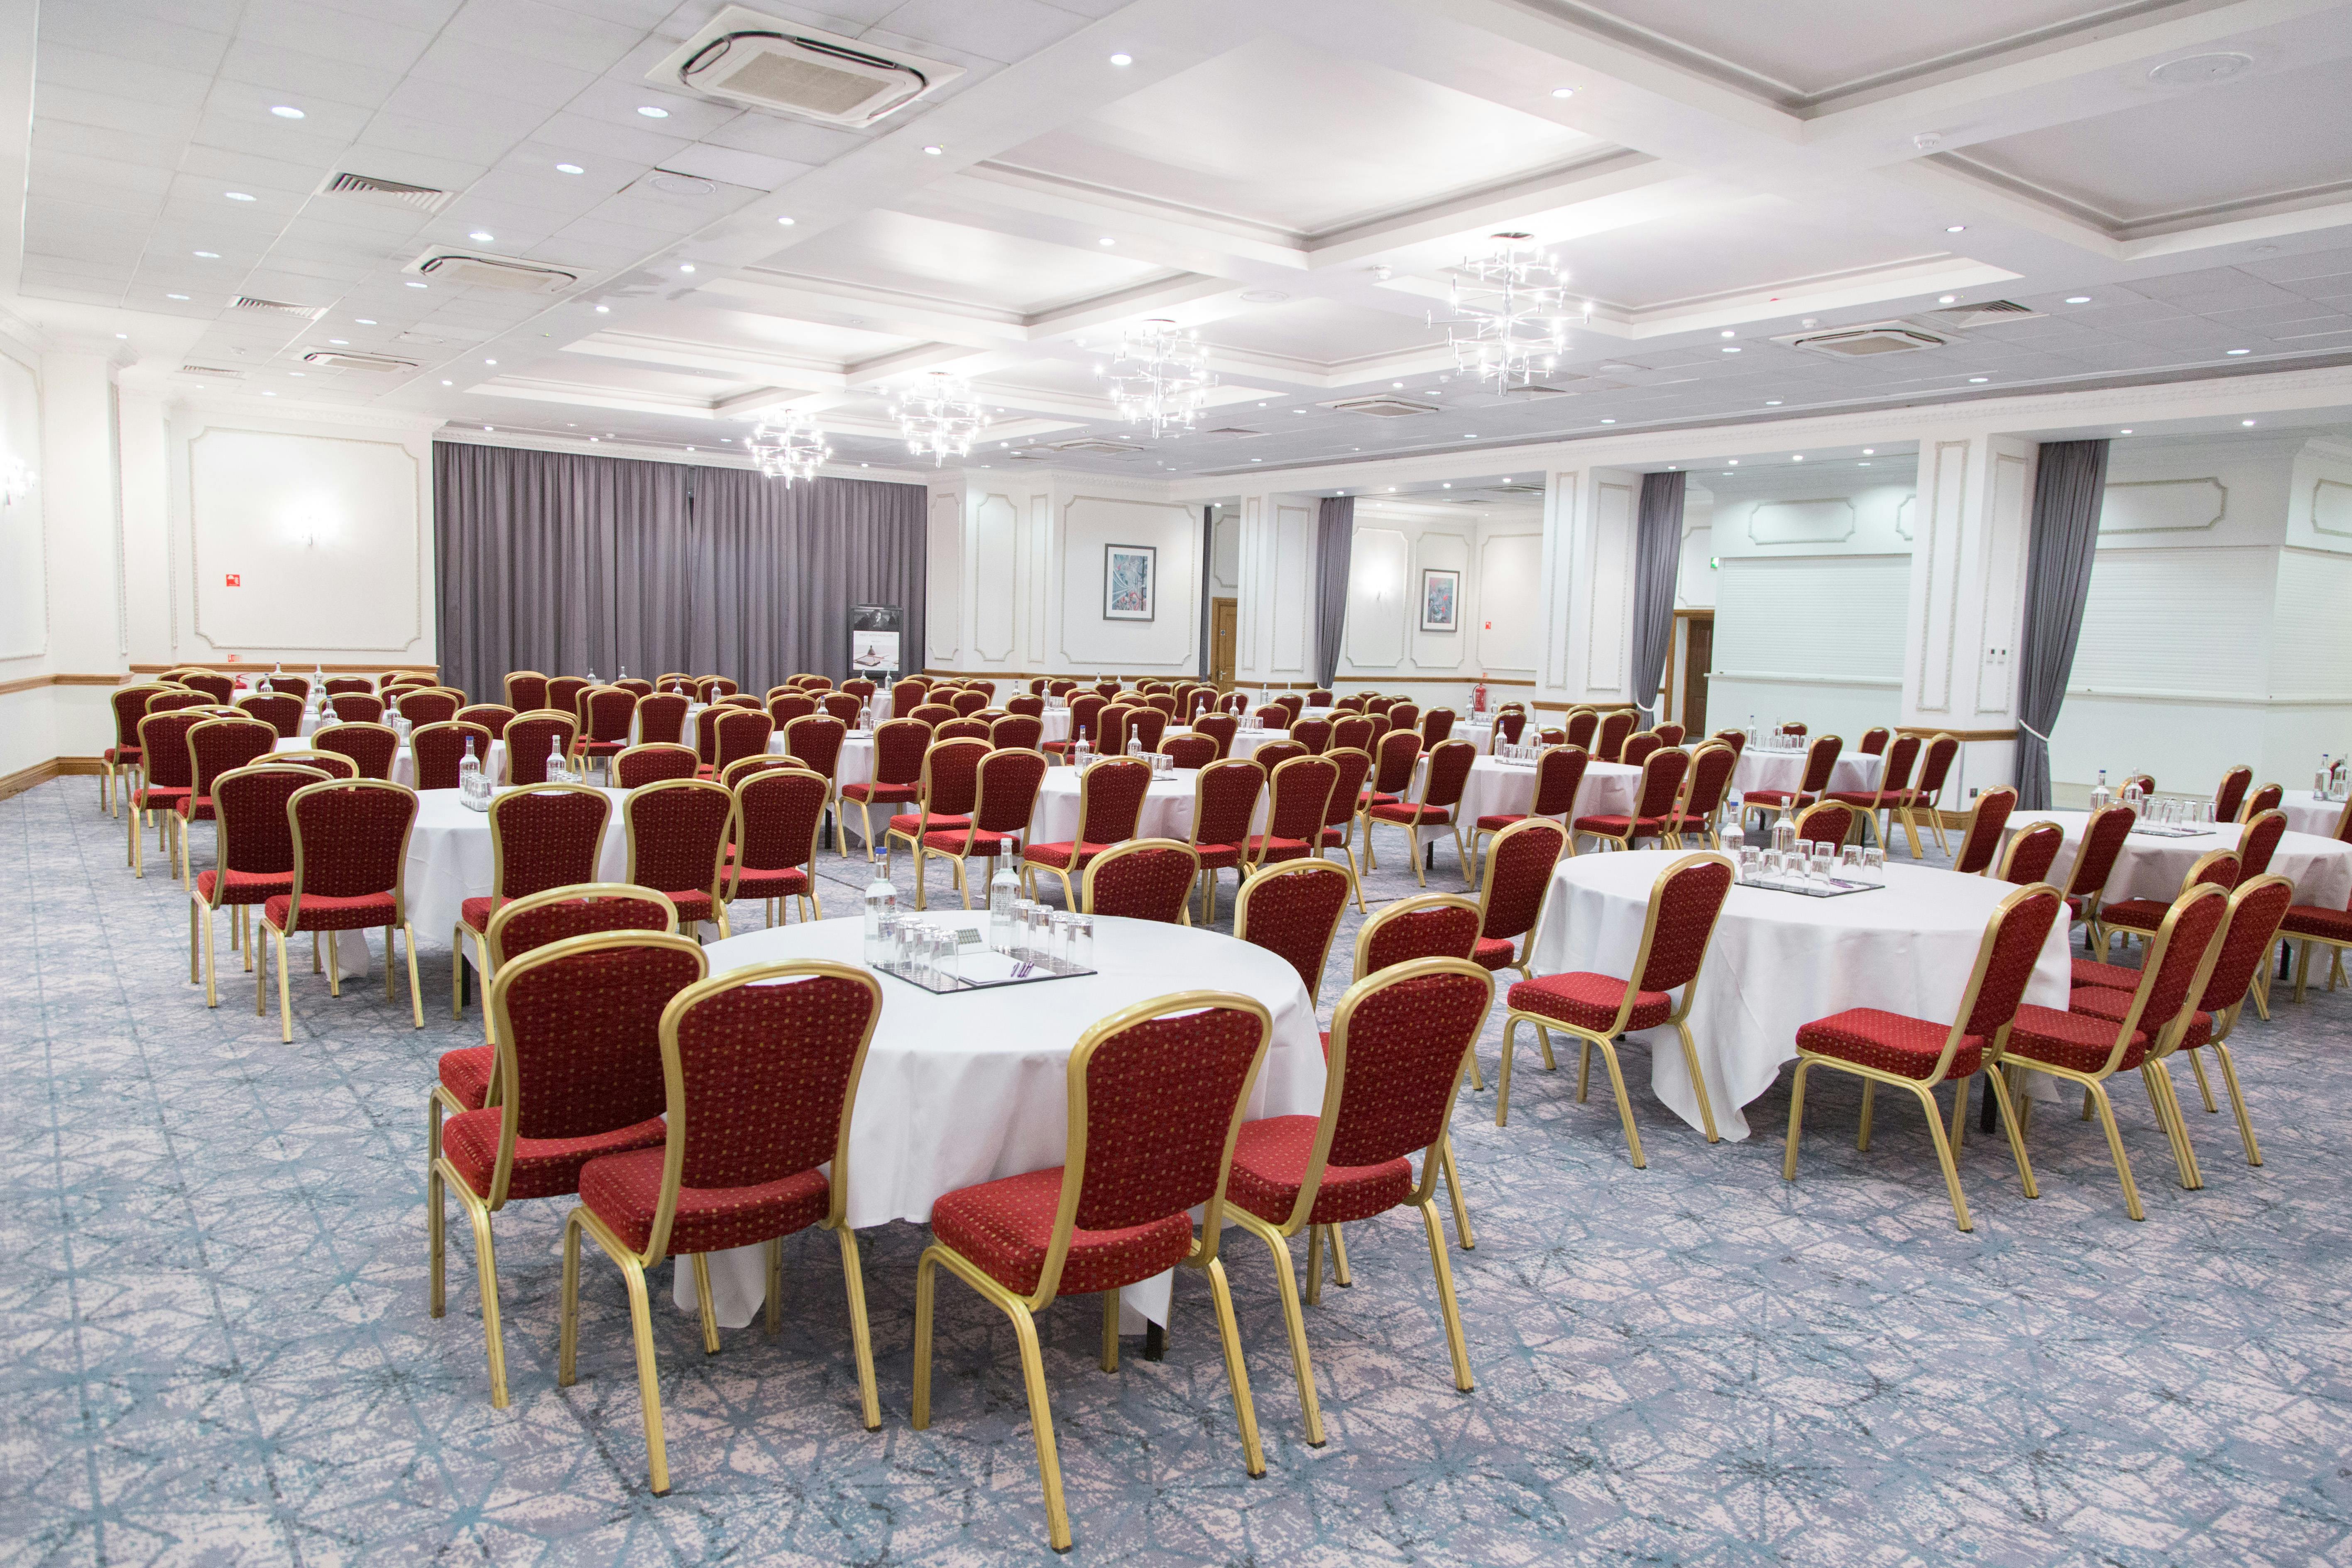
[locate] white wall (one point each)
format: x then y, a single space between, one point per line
1498 551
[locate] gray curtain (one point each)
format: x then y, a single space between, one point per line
1657 556
564 564
1207 585
2069 488
1335 547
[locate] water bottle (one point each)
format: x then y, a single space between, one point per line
592 675
265 688
555 772
1784 837
1135 745
2132 796
1004 892
881 899
624 675
2102 796
2320 788
469 772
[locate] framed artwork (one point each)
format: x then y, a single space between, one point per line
1130 582
1440 600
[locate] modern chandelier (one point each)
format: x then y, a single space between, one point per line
1159 377
1511 314
941 418
787 446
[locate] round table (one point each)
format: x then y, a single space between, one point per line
1167 810
404 761
1779 961
969 1088
449 858
1762 769
2307 813
2154 867
1497 788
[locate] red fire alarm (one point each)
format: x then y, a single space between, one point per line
236 580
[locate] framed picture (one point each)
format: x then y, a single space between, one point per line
1440 600
1130 582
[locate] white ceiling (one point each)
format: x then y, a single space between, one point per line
1292 182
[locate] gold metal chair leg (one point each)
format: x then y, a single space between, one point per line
2204 1087
1110 1331
1294 1322
1236 1371
567 1320
2116 1147
1943 1155
1583 1070
2009 1122
285 997
212 976
1543 1041
334 965
641 1332
927 1275
1462 1232
416 992
1624 1105
1869 1105
700 1262
1698 1084
1340 1256
436 1221
458 976
2238 1105
1796 1121
1314 1265
1959 1113
486 1270
2158 1076
861 1336
1454 1342
772 1298
1041 1424
1503 1075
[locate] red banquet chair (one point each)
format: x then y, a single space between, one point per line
1609 743
899 748
1655 796
1005 783
526 689
1874 740
1821 765
1519 875
678 832
652 761
564 694
1221 728
2225 868
2095 862
1894 786
579 1074
1110 799
1583 724
787 706
1352 767
492 716
760 1067
2033 850
547 837
740 732
534 742
778 816
1428 925
166 777
1982 842
1017 732
215 746
1292 910
253 859
1918 1054
1448 771
608 714
129 705
1224 800
661 719
1597 1009
353 707
350 855
1826 822
339 685
816 740
1639 747
1405 1033
1189 752
944 799
1156 1094
1559 773
373 748
438 749
961 729
1301 801
1143 880
429 705
2230 795
841 705
280 710
1699 812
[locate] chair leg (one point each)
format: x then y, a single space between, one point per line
1109 1360
457 976
1314 1265
700 1263
486 1270
1993 1080
640 1331
1503 1075
1943 1155
1340 1256
1961 1112
436 1222
1294 1322
1869 1104
1412 844
2116 1147
1236 1371
212 978
1624 1105
2302 969
1690 1060
285 997
861 1337
2238 1105
416 992
865 814
2204 1085
1462 857
1041 1424
1462 1232
1362 908
1454 1342
1477 1078
918 1415
2158 1077
334 961
1796 1121
922 880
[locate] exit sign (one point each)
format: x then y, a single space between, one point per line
234 580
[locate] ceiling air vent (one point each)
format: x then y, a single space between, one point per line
1545 388
476 269
384 193
220 369
1381 406
1992 313
280 307
1511 489
1867 341
384 363
1093 444
1232 430
765 62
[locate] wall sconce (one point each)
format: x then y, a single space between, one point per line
15 480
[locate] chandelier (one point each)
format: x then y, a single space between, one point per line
1159 377
787 446
1510 316
941 418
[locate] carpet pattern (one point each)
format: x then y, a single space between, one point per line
217 1349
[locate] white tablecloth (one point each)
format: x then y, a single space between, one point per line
404 761
966 1088
1167 807
450 859
1246 742
2153 867
1786 770
2307 813
1057 724
1508 789
1779 961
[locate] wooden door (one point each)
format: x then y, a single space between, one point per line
1224 619
1700 647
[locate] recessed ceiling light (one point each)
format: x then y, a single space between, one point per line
298 374
126 336
417 285
1862 464
285 111
1448 485
2235 353
481 236
175 296
1609 421
1105 240
1563 92
1731 348
1772 403
1469 437
1728 334
339 341
1396 385
489 361
934 152
2123 432
364 320
1979 380
1798 458
237 195
2245 422
1735 462
651 112
448 384
1955 229
1870 451
1123 60
1948 299
2078 298
604 310
570 169
689 448
268 394
209 255
488 427
788 222
1298 411
1257 459
685 266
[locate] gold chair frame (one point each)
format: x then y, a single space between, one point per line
1128 847
458 937
263 930
718 885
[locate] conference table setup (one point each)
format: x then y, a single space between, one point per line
2155 865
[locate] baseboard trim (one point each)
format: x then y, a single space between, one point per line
23 779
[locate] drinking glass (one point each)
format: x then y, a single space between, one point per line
946 956
1751 863
1768 862
1038 938
1824 859
1082 940
1061 937
1850 864
1873 866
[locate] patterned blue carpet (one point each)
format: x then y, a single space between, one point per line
217 1349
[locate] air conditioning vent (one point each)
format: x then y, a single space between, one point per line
422 340
1992 313
1381 407
1868 341
1510 489
384 193
384 363
473 269
1545 388
1094 444
280 307
1232 430
219 370
765 62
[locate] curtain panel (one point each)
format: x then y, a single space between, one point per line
564 563
1334 549
1657 557
2070 486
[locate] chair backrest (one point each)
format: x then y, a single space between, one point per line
1826 822
791 705
2146 783
1318 698
2257 843
1111 726
1436 727
1162 702
677 835
607 712
2102 840
2232 793
816 742
1274 753
778 812
254 833
2268 798
280 711
1795 727
1900 756
1062 688
578 1033
533 739
130 705
1736 739
1639 748
1821 763
1352 733
742 733
1510 727
1027 705
558 914
1006 784
1671 734
842 706
2256 907
761 1066
967 703
164 743
742 768
2033 850
1405 716
326 765
860 689
350 841
1583 722
1449 763
899 748
1190 751
1110 799
2180 959
1347 785
705 733
1684 904
1142 879
218 745
370 747
219 687
745 699
1292 705
1609 745
905 696
963 729
1661 782
1085 711
1434 925
653 762
1401 1039
2215 867
1148 725
1303 787
1987 817
1874 740
1936 766
1711 776
1224 799
1520 865
662 718
429 705
545 837
1221 728
1393 762
526 689
2006 957
633 684
1315 734
951 783
367 708
1293 909
1559 773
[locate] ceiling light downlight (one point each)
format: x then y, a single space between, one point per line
787 446
1509 324
745 57
941 418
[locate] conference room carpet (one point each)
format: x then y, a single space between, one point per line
217 1348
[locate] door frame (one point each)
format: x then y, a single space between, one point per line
1669 693
1218 604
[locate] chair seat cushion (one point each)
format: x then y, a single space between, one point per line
322 913
1772 796
2111 976
543 1167
1266 846
1412 816
1497 823
623 1190
194 808
2139 914
122 754
2318 919
1620 826
603 747
1890 1042
1064 856
475 913
1004 1225
159 798
691 903
906 827
2110 1006
1270 1164
2074 1040
1868 799
466 1074
980 844
1335 839
1493 953
784 882
1587 1001
1218 857
877 794
244 887
1374 797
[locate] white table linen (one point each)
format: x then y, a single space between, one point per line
1779 961
2154 867
404 761
1496 788
1167 810
450 859
1785 771
2307 813
961 1089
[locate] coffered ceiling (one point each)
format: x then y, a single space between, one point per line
2166 189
